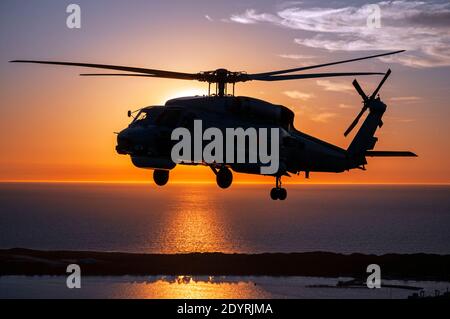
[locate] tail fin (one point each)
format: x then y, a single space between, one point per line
364 139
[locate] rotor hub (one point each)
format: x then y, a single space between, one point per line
222 77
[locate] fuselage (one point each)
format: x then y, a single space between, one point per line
148 138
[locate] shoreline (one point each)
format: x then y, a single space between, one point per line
19 261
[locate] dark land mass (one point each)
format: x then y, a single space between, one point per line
318 264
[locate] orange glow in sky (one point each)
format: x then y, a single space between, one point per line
55 125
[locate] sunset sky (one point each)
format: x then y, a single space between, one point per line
55 125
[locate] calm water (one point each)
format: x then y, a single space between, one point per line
188 218
185 287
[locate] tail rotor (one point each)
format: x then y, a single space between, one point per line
367 101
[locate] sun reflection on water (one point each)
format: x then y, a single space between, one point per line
187 287
196 224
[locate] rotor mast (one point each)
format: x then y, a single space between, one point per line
221 78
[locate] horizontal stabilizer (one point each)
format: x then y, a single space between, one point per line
390 154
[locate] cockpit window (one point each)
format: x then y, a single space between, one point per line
146 117
141 116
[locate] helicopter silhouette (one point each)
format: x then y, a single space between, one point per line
148 141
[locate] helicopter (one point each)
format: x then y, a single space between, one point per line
148 138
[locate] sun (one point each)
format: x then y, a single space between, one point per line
186 92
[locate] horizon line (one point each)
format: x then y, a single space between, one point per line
212 182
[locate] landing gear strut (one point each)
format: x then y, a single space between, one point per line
278 192
224 177
161 177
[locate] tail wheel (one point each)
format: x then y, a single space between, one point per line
161 177
224 178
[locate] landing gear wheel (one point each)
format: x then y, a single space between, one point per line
224 178
274 193
161 177
278 192
282 193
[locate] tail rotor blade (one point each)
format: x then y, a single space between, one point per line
374 94
360 90
355 121
367 100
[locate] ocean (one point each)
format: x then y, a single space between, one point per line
180 218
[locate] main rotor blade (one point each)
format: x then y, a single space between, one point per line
308 76
125 75
355 121
158 73
374 94
325 64
119 74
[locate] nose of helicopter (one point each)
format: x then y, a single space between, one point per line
130 141
135 141
124 142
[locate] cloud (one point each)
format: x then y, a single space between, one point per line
298 95
301 60
207 17
400 120
296 56
252 17
346 106
406 120
405 99
334 86
422 28
323 117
